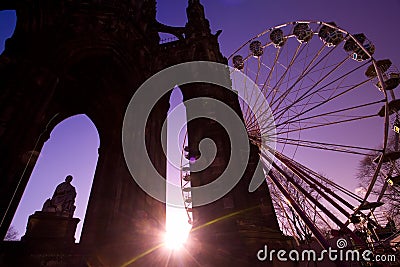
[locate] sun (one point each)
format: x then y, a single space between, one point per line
178 229
174 241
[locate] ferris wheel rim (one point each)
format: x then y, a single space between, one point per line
321 23
371 59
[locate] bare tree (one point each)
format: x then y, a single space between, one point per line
12 234
390 194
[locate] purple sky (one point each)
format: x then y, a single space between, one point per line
72 148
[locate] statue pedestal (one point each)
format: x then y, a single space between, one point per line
47 227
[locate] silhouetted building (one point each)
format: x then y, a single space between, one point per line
88 57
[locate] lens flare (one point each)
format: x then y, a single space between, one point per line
174 240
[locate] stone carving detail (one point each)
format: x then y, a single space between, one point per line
63 200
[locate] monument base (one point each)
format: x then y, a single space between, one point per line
48 241
48 228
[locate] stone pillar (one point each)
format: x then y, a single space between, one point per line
231 230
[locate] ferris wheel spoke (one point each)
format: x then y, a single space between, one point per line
262 92
308 70
314 202
317 54
287 68
321 239
335 112
341 113
327 146
313 213
303 74
310 211
243 104
283 96
249 112
324 102
296 91
289 80
327 181
311 87
310 173
285 224
310 92
325 88
288 89
271 70
302 191
314 181
327 124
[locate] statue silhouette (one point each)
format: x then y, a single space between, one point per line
63 199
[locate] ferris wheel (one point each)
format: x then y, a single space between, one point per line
322 105
332 105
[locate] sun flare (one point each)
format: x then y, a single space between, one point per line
177 229
173 241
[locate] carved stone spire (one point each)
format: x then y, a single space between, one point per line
197 24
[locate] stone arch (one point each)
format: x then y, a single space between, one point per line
71 149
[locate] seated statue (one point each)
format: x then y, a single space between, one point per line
63 200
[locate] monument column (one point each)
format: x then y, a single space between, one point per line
241 220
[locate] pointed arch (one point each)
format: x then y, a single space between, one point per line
71 149
176 220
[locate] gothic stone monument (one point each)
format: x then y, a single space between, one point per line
88 57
